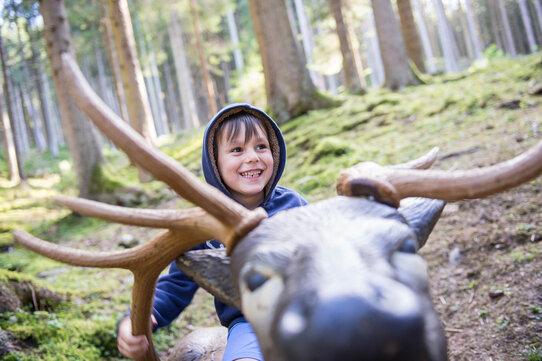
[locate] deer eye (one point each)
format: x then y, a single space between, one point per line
254 280
408 246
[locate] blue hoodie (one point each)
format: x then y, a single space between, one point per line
175 291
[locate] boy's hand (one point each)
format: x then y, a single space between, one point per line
129 345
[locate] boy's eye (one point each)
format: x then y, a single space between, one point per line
262 146
236 150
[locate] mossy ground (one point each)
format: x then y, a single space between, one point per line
477 118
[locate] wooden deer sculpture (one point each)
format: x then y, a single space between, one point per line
336 280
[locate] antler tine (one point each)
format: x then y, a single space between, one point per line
178 220
390 185
423 162
130 259
145 261
72 256
239 219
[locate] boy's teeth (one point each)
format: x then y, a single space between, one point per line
251 174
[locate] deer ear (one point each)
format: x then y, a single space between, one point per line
421 214
210 269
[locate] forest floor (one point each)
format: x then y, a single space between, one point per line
484 256
485 265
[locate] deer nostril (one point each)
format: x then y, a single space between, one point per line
254 280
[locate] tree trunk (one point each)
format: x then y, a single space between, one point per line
307 38
56 112
130 69
107 94
330 80
45 105
536 24
237 54
22 137
33 121
150 85
102 82
394 56
482 22
410 34
28 99
424 35
289 88
155 76
447 40
113 60
518 33
523 7
13 154
374 57
473 30
211 98
223 92
351 68
184 75
508 37
433 33
170 96
9 146
538 11
293 27
234 38
137 100
79 134
494 22
464 41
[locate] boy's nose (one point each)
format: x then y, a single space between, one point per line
251 156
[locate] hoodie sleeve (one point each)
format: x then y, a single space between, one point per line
174 292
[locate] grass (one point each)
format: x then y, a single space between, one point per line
456 113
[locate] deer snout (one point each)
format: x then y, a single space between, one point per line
382 322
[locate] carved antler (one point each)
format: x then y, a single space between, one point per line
391 184
219 216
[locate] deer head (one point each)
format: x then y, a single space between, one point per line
333 280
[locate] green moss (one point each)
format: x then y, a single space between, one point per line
330 147
3 164
41 164
187 150
104 182
324 100
61 336
534 353
6 240
8 275
74 226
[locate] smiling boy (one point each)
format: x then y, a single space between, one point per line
243 155
245 162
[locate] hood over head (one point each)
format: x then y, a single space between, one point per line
276 143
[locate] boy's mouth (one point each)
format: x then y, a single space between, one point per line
251 174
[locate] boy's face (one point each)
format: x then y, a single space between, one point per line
245 165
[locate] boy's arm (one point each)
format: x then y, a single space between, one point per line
174 292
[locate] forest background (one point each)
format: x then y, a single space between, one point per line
337 75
